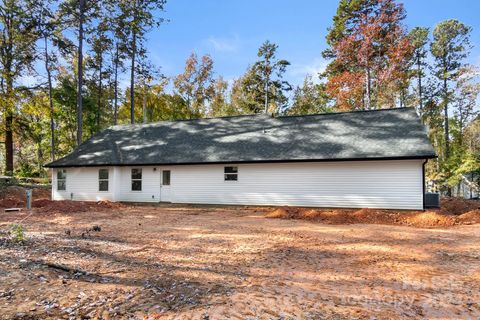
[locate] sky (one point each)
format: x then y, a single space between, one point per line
232 30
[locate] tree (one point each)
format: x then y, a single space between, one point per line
220 105
100 44
465 99
196 85
419 40
450 46
51 31
309 98
32 124
18 36
139 19
369 51
119 34
78 15
81 14
262 88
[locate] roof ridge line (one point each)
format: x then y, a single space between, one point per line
187 120
343 112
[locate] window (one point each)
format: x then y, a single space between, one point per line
231 173
166 177
103 180
136 179
62 180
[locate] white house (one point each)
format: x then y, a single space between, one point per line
371 159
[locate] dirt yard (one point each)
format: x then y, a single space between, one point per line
122 262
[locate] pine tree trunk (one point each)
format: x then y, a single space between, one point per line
9 143
80 74
447 136
115 98
445 110
132 70
368 100
144 103
420 93
50 101
99 103
132 81
8 99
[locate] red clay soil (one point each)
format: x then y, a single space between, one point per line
454 211
184 262
15 196
63 206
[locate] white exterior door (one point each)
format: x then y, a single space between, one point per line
165 188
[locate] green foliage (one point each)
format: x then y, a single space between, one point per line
196 84
374 63
263 81
450 46
309 98
17 233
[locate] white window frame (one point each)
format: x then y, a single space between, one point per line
225 174
132 180
100 180
64 179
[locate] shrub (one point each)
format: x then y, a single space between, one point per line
17 233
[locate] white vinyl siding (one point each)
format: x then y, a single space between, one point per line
360 184
355 184
150 185
82 184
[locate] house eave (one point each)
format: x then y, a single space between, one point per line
419 157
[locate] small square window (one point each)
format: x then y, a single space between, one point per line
166 177
230 173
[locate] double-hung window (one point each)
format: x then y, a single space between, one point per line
136 179
62 180
103 180
230 173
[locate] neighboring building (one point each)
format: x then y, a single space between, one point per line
356 159
468 186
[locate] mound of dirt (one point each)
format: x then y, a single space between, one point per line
68 206
10 203
13 192
41 193
109 205
470 217
425 219
40 203
15 196
450 205
282 213
455 211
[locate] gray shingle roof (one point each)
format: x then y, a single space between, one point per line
381 134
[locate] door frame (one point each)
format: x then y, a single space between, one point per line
162 186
